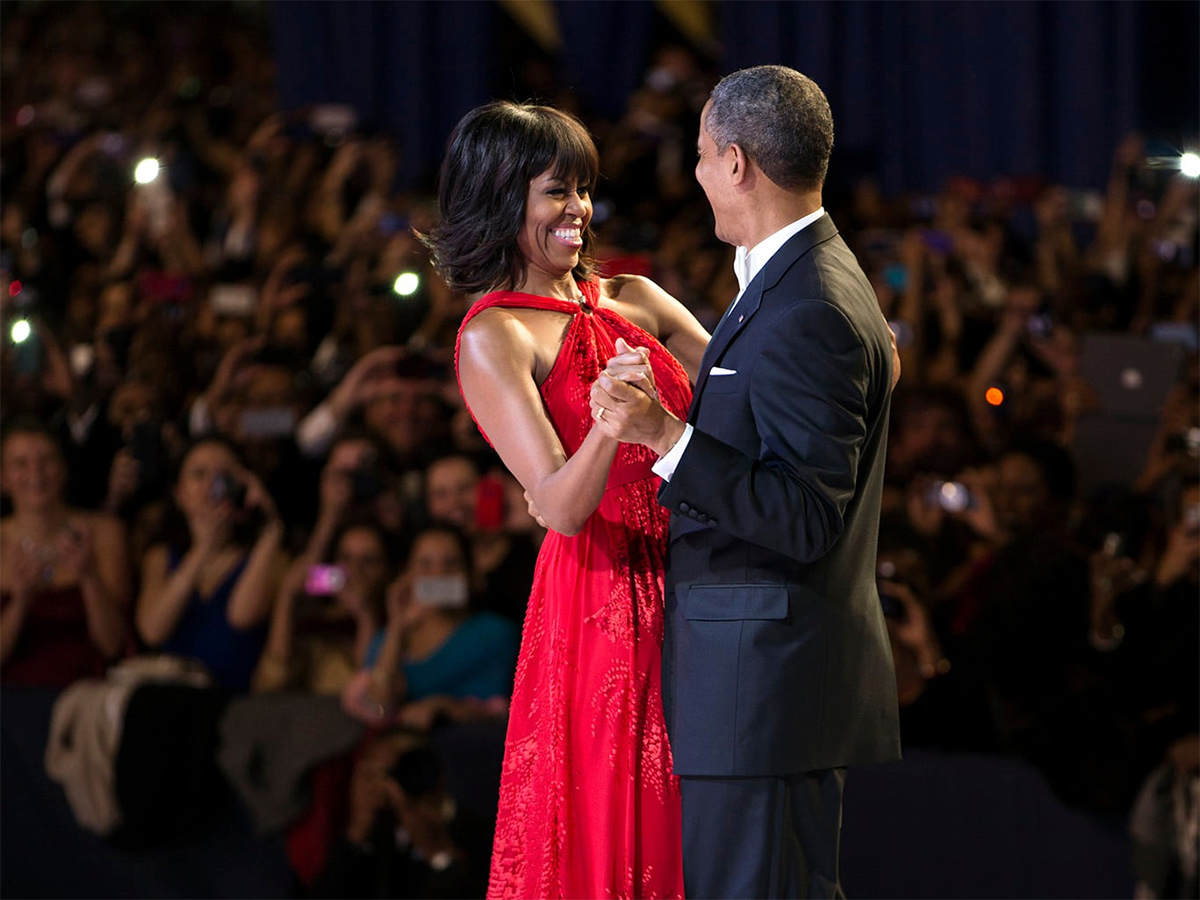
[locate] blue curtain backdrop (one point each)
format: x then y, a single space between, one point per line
410 68
973 88
923 88
608 48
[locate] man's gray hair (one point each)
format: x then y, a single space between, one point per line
780 118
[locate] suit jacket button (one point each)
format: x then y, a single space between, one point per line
684 508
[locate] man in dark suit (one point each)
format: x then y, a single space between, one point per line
777 673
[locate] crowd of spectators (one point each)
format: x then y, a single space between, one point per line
231 429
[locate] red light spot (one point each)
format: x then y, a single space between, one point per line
14 288
994 396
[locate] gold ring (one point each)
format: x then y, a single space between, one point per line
600 414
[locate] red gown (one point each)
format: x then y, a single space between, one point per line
588 805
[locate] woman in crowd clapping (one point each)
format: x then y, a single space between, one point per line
64 580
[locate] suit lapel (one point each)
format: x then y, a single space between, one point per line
818 232
729 327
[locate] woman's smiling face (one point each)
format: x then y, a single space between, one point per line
557 212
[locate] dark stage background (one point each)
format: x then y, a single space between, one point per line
919 89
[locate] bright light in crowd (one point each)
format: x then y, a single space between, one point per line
994 396
406 284
20 331
1189 165
146 170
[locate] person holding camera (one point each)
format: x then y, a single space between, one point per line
35 376
207 588
330 602
435 659
404 836
118 458
942 703
356 484
459 492
395 393
326 615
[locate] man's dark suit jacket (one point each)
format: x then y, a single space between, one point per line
776 657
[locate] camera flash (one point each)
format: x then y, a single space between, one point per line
1189 165
20 331
146 170
406 284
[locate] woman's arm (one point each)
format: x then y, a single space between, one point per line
989 367
423 714
387 685
252 596
56 372
496 371
276 665
104 581
911 306
164 597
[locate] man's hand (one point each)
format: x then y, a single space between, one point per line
632 365
895 359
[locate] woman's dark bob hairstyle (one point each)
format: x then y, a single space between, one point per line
493 154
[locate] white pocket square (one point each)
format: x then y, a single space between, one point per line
717 370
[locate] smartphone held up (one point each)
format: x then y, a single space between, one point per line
445 591
324 580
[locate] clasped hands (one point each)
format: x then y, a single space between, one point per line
625 403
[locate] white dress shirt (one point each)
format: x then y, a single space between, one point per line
746 264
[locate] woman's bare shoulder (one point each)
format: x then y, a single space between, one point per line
496 338
627 288
496 325
641 301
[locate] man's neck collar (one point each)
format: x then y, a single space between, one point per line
770 217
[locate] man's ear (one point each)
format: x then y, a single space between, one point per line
739 164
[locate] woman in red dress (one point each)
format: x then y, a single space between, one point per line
588 804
